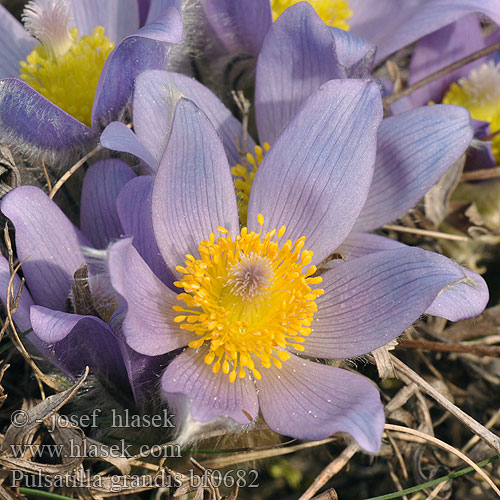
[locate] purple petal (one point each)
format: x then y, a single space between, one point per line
149 326
98 215
120 18
32 124
239 26
210 395
392 24
48 241
118 137
134 206
157 7
308 400
193 191
79 341
315 178
16 43
456 302
414 150
144 6
147 49
143 373
439 49
361 244
370 301
155 96
299 54
355 54
22 314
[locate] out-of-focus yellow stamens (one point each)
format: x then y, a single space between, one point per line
480 94
244 177
332 12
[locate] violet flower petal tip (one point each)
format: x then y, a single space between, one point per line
462 299
316 184
193 191
209 395
308 400
102 184
371 300
414 150
239 26
149 326
47 241
32 124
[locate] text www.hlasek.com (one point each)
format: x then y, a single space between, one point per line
84 449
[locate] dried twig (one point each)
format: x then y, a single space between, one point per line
480 175
428 345
444 446
17 341
220 462
425 232
439 74
244 107
72 170
330 470
487 436
45 172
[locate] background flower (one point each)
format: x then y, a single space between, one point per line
32 124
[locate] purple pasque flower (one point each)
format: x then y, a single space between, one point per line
246 304
62 52
67 301
414 149
241 27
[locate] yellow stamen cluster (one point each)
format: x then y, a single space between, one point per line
480 94
70 79
245 176
247 299
332 12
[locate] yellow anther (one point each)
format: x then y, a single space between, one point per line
332 12
247 300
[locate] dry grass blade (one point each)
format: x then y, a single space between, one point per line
239 458
435 491
58 185
17 341
45 171
479 175
330 494
425 232
439 74
487 436
330 470
447 447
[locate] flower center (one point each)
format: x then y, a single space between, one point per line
480 94
248 299
332 12
63 68
244 179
